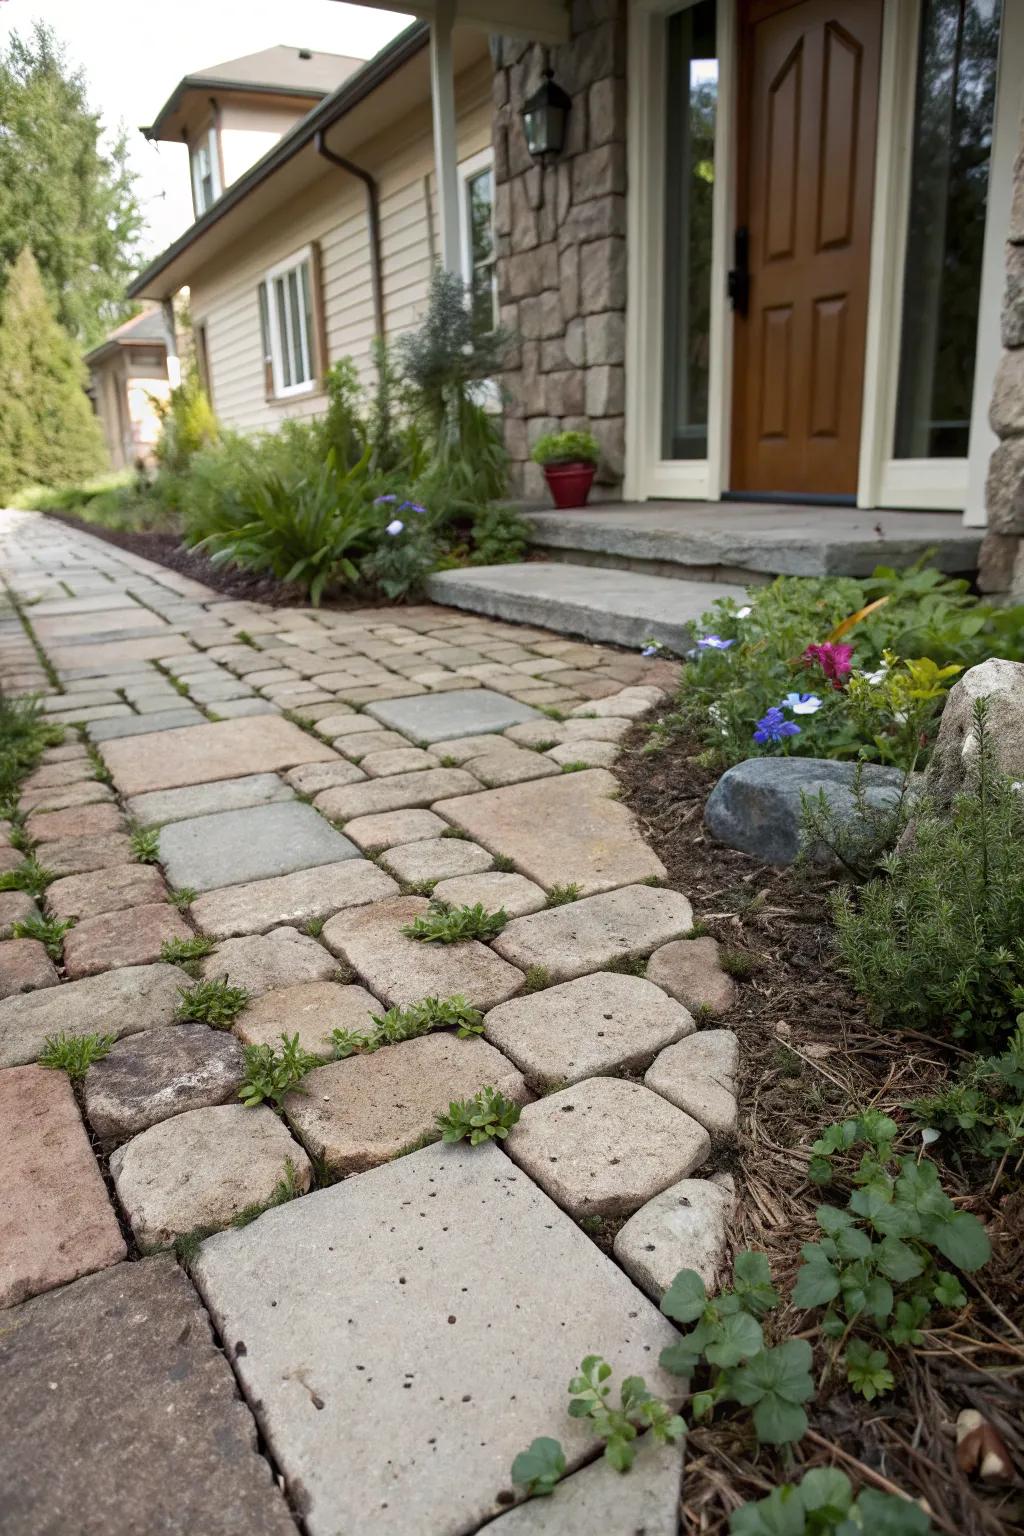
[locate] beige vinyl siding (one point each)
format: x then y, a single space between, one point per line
224 296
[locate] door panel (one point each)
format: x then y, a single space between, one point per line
809 95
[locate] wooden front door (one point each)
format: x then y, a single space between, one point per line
808 115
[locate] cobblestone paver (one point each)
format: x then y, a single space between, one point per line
307 780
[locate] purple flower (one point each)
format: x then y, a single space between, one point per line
395 526
649 650
379 499
773 726
713 643
411 506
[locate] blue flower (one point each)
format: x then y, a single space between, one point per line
411 506
802 703
379 499
713 643
395 526
773 726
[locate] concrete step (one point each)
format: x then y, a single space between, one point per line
623 607
721 541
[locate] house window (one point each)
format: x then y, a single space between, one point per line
476 223
286 319
205 172
952 147
691 95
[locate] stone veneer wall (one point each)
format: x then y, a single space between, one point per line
1001 570
561 244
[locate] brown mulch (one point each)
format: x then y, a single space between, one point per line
811 1057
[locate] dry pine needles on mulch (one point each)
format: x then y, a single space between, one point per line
811 1057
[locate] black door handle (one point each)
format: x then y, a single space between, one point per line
738 287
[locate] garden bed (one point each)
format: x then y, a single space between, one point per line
809 1058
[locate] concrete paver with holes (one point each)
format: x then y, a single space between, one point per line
408 1320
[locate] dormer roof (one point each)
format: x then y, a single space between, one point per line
293 77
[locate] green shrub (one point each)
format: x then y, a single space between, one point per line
937 941
981 1113
566 448
188 422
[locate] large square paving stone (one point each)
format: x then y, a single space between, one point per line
57 1222
291 899
439 716
206 799
199 754
121 1415
235 847
413 1295
121 1002
592 934
560 831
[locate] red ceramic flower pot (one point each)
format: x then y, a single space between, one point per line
569 484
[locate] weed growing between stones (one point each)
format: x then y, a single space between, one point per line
418 887
454 925
454 832
487 1116
503 864
30 877
100 770
185 951
407 1023
271 1074
543 746
698 931
552 711
74 1054
211 1002
577 767
537 978
562 895
183 897
313 927
243 637
737 963
145 843
186 1247
628 965
49 931
24 736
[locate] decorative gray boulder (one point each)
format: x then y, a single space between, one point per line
956 749
757 806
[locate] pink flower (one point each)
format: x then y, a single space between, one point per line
836 661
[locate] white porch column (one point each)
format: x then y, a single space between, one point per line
446 154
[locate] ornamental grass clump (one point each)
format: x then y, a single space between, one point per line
936 943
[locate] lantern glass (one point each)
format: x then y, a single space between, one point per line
544 118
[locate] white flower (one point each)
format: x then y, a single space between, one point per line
744 613
802 703
395 526
874 678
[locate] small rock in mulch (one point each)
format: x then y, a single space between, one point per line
111 939
105 890
690 970
310 1010
58 1221
24 967
159 1073
699 1075
357 1113
261 962
202 1168
586 1028
606 1146
757 805
685 1227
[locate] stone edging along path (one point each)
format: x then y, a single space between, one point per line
409 1320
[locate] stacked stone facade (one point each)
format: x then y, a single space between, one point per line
561 244
1001 569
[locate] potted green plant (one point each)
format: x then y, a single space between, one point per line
569 461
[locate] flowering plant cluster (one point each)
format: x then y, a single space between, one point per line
830 668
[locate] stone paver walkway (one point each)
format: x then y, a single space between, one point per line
409 1318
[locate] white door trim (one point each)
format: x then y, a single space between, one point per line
647 474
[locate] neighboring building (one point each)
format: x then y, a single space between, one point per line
129 375
766 263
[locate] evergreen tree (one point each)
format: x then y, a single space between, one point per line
48 433
62 193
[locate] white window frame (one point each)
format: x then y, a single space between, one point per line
278 342
468 170
207 142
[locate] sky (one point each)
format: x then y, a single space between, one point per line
134 52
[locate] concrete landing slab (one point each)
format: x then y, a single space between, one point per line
620 606
395 1308
144 1430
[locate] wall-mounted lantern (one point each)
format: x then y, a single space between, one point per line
545 116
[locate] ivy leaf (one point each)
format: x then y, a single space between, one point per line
867 1370
685 1298
948 1291
961 1239
540 1468
740 1338
817 1280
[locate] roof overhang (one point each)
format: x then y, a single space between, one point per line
190 101
541 21
358 111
